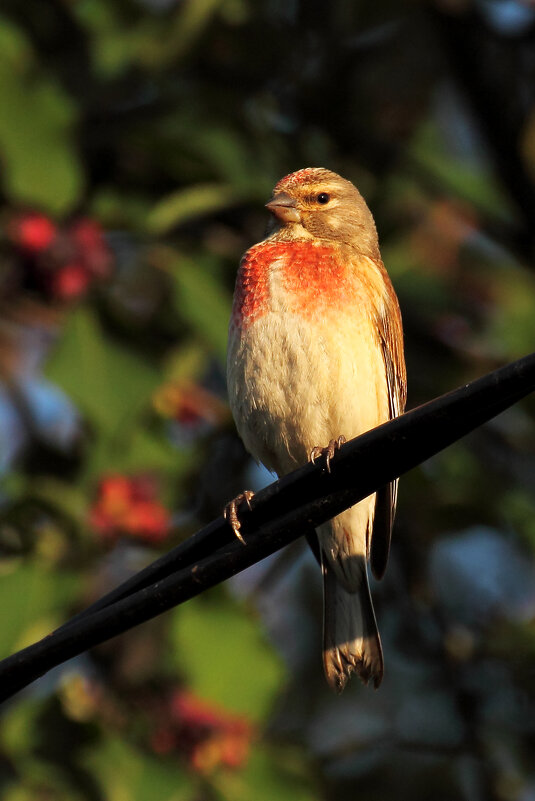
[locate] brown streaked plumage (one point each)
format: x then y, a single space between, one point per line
316 352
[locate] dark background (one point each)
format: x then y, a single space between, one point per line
138 144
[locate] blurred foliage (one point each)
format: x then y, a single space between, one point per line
139 141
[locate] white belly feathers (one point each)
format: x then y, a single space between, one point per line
296 382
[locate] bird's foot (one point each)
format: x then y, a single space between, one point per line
333 446
230 512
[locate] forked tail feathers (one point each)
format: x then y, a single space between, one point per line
351 642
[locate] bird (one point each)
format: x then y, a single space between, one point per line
316 355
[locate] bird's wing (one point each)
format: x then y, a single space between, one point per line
390 333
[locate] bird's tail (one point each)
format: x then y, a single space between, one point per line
351 642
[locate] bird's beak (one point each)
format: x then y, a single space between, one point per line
284 208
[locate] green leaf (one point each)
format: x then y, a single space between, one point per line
270 773
31 599
138 451
109 384
227 152
203 303
466 179
511 329
43 780
192 18
125 774
518 507
187 361
19 733
68 498
186 204
225 656
40 165
117 209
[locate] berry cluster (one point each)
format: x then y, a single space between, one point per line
128 506
63 262
206 735
189 404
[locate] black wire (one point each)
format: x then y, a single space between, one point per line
280 514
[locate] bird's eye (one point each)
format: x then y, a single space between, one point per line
323 198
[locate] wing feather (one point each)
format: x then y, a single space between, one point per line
390 333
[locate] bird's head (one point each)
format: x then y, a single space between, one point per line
315 203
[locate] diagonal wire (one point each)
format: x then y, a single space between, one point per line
281 513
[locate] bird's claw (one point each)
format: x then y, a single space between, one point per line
230 512
333 446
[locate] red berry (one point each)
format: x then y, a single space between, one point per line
129 506
33 232
92 247
87 234
70 281
147 520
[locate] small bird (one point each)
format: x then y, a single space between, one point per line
315 355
